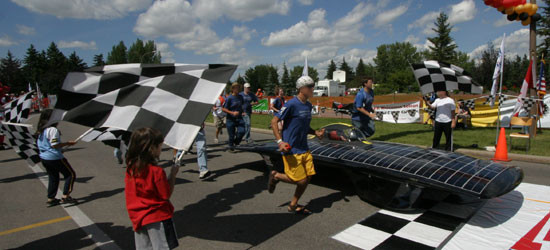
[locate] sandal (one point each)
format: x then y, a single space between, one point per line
299 209
53 202
272 183
68 200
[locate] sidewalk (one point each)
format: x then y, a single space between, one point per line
470 152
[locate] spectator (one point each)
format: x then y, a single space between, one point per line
278 103
219 116
260 94
148 192
51 155
445 119
200 141
249 100
464 113
233 107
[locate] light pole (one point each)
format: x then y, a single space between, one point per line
146 53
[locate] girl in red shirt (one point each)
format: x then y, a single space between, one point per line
148 192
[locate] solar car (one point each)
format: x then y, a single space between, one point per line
398 176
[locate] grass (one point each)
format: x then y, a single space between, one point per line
419 134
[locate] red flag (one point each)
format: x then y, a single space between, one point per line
527 83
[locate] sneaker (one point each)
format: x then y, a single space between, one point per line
204 174
53 202
216 140
68 200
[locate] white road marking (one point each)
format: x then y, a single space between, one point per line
84 222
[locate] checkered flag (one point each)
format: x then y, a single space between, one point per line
379 116
471 103
431 112
439 76
21 138
395 115
489 99
109 136
173 99
501 99
528 103
17 111
412 112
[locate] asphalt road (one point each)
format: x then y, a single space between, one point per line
231 209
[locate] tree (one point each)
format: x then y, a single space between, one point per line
297 71
360 74
331 68
443 48
261 76
118 54
56 70
140 52
484 70
392 58
240 80
349 71
11 74
272 81
34 65
75 63
98 60
286 83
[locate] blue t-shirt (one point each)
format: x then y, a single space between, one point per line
278 103
363 100
234 103
247 99
46 140
296 116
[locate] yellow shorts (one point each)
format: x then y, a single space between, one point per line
299 166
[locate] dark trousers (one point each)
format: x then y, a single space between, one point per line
235 131
440 128
55 167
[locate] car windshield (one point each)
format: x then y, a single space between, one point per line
343 134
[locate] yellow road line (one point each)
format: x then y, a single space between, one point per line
537 200
35 225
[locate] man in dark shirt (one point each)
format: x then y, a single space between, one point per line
249 99
233 106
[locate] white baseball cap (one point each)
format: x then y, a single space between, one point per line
247 85
304 81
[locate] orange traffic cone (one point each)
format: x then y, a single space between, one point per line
501 153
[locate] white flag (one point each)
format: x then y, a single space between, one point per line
498 70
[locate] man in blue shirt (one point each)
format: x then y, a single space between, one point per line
278 105
297 159
249 99
362 119
233 106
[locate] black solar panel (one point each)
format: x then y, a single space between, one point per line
446 168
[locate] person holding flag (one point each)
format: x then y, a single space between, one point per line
498 72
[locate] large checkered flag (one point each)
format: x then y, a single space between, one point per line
176 102
17 111
21 138
109 136
439 76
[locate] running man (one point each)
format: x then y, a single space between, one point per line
297 159
363 118
249 100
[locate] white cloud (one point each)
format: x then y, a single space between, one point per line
305 2
6 41
25 30
77 44
165 17
516 43
412 39
242 10
321 53
166 54
243 33
462 12
316 31
84 9
503 21
386 17
458 13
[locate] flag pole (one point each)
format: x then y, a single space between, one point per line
499 105
82 135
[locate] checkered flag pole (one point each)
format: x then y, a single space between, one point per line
20 137
17 111
431 112
173 98
435 76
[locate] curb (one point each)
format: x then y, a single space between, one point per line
469 152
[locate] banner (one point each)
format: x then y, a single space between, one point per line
261 107
485 116
408 112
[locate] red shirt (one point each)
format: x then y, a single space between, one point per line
147 197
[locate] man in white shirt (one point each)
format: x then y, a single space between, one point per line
445 118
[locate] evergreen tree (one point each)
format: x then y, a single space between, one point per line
98 60
286 83
331 68
118 54
349 71
143 52
360 73
443 48
34 66
56 70
11 74
241 80
75 63
272 81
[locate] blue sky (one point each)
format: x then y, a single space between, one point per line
250 32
